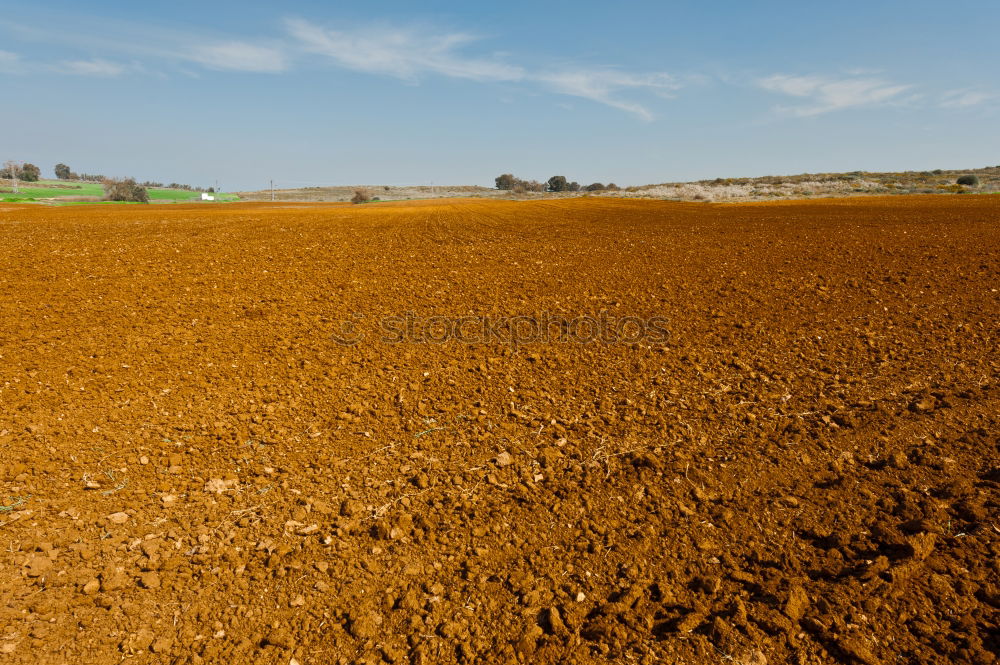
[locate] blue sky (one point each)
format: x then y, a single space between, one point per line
313 93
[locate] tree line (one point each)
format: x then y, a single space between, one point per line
556 183
63 172
17 171
115 189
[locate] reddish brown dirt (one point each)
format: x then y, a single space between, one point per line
806 471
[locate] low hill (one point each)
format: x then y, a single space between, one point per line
812 185
801 186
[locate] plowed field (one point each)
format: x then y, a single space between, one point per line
212 450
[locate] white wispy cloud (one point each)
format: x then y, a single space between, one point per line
602 86
404 53
958 99
409 53
95 67
412 53
240 56
10 63
142 42
825 94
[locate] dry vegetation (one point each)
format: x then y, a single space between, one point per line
383 192
803 186
125 190
810 185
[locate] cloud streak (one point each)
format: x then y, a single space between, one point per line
402 53
240 56
410 54
10 63
602 86
143 42
966 98
96 67
824 95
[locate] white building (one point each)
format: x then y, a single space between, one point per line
207 197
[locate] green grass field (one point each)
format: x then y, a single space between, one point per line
47 191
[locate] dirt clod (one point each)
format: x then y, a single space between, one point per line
37 565
280 638
364 625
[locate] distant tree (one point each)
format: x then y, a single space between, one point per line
557 183
573 187
63 172
361 196
967 180
30 173
612 187
506 181
594 187
124 189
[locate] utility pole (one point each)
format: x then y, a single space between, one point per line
13 167
272 190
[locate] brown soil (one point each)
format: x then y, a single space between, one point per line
807 471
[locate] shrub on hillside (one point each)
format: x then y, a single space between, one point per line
967 180
594 187
63 172
361 196
522 186
612 187
125 189
573 187
508 182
